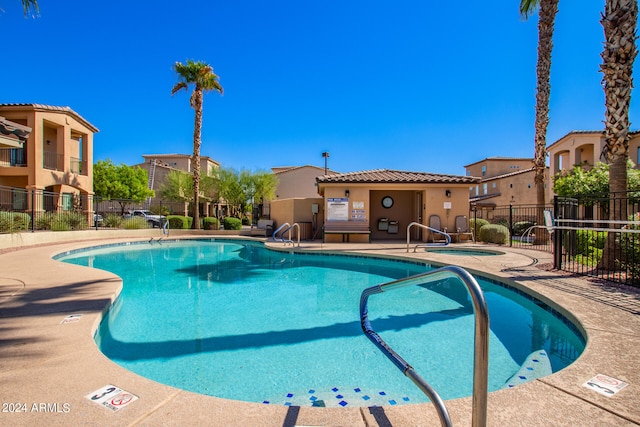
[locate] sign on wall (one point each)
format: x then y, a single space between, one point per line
338 209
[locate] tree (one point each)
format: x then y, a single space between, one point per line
203 78
123 183
619 20
546 22
258 187
594 182
177 187
28 5
230 189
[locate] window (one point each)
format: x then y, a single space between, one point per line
67 201
484 170
493 185
19 202
477 189
484 188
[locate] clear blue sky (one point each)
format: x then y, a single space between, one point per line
412 85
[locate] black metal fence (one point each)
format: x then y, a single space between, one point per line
588 243
525 224
33 210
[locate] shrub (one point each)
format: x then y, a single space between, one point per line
113 221
521 226
62 221
630 244
135 223
494 233
211 223
231 223
11 222
178 222
476 225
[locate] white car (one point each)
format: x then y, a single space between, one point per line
152 220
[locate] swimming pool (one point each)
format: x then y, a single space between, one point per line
240 321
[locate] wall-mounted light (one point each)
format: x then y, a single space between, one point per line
48 142
447 193
346 193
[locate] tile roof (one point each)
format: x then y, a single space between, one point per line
43 107
393 176
506 175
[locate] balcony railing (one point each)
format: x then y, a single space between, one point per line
53 161
16 157
77 166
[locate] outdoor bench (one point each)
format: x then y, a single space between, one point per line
346 228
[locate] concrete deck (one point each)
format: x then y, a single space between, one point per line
47 368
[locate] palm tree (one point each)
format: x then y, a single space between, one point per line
202 76
620 21
547 16
30 5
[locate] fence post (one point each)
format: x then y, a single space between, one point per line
33 210
557 237
510 224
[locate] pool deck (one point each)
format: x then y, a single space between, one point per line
48 367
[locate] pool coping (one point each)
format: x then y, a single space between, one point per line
51 366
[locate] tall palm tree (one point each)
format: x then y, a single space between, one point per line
203 78
28 5
620 21
547 16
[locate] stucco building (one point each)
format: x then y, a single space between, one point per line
56 158
584 148
387 201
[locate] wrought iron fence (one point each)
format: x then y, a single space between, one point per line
525 225
33 210
588 243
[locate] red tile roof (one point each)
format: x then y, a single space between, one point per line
387 176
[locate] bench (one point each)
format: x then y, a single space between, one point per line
346 228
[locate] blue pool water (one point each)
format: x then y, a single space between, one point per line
236 320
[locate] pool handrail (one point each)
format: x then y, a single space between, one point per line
447 237
287 241
481 340
274 236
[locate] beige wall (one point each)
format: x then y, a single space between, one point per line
299 210
497 166
298 182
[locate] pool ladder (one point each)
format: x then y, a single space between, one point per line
284 228
447 237
481 340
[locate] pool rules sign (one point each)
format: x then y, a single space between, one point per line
112 397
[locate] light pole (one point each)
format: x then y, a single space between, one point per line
326 156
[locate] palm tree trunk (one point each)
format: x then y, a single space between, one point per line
195 159
620 20
546 23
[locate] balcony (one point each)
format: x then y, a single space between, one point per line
53 161
78 166
13 157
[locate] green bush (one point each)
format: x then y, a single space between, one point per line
211 223
113 221
521 226
179 222
231 223
62 221
135 223
476 225
630 244
494 233
11 222
587 239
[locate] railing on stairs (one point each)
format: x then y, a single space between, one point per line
447 237
481 340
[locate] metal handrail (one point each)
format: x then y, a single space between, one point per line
295 224
481 340
275 233
446 236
